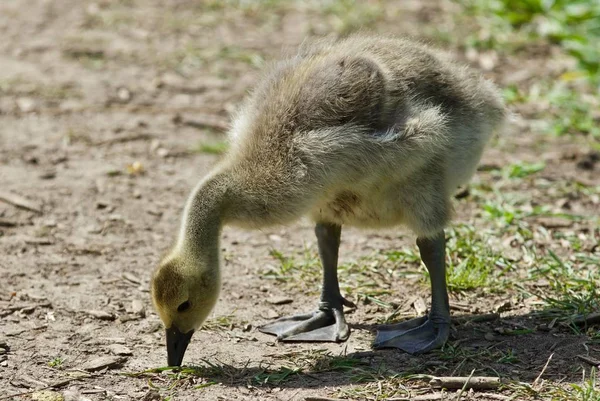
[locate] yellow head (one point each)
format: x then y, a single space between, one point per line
184 291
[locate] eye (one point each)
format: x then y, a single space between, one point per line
184 306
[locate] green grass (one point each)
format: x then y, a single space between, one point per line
565 103
522 170
574 25
215 148
191 57
573 111
572 291
56 362
347 16
278 376
305 266
304 365
586 390
368 278
471 263
509 208
222 323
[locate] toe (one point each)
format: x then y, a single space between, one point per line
342 329
418 340
402 327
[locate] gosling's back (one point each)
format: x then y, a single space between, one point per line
367 131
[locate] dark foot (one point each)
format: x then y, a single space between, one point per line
414 336
323 325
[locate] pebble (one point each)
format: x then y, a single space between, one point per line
154 145
101 315
132 278
154 328
502 306
123 94
279 300
72 395
543 327
94 229
420 306
47 395
137 307
271 314
128 318
103 362
15 332
118 349
51 224
26 104
48 175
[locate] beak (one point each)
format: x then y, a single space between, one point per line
177 343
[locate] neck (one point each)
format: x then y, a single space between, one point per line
202 220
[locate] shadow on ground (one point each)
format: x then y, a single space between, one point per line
516 349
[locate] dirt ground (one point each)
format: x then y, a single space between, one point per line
111 111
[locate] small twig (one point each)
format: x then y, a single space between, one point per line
535 382
462 390
590 360
20 202
422 397
123 139
456 382
7 223
202 122
322 399
94 391
493 396
428 397
293 395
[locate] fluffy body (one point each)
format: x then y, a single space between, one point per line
367 131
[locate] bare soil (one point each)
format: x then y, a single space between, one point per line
102 108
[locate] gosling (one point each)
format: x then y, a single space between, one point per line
366 131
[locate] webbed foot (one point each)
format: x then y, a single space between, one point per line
323 325
414 336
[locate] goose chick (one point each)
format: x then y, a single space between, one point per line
366 131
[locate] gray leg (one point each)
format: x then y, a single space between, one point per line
425 333
328 322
